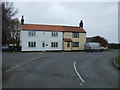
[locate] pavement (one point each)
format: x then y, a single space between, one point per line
60 70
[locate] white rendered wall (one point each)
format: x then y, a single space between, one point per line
41 36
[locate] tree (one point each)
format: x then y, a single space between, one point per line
8 13
14 32
15 27
99 39
114 45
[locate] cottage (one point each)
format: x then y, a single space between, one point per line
34 37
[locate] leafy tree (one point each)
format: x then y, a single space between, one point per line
8 13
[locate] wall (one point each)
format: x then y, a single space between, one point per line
81 40
67 35
41 36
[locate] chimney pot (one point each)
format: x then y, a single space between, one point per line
81 24
22 20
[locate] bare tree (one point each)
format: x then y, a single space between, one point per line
15 27
8 13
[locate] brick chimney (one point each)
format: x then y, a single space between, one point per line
81 24
22 20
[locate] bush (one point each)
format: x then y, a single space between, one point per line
114 46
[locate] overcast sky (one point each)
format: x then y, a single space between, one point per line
99 18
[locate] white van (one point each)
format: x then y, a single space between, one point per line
93 46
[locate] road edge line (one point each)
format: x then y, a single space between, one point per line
74 65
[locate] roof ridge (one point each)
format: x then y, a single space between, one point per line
53 25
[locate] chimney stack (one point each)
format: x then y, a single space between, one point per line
22 20
81 24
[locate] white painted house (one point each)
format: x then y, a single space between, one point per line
40 40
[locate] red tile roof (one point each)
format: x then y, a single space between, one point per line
52 28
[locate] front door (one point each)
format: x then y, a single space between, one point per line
67 46
43 46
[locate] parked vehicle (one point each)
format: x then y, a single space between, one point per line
93 46
5 48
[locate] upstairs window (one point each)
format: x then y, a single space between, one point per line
75 35
54 34
32 33
75 44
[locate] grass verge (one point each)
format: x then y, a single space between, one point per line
117 60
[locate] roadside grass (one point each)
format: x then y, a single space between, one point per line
108 49
117 60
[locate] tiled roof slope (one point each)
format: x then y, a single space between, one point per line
52 28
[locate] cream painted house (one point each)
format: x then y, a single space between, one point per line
74 38
74 41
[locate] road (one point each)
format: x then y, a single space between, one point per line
60 70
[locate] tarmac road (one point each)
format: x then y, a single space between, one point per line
61 70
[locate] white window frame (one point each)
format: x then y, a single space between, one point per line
54 44
31 44
54 34
31 33
75 34
73 44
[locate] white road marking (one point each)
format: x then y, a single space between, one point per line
78 73
21 64
25 63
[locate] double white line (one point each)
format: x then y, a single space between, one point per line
74 65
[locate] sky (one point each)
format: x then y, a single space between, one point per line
99 18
